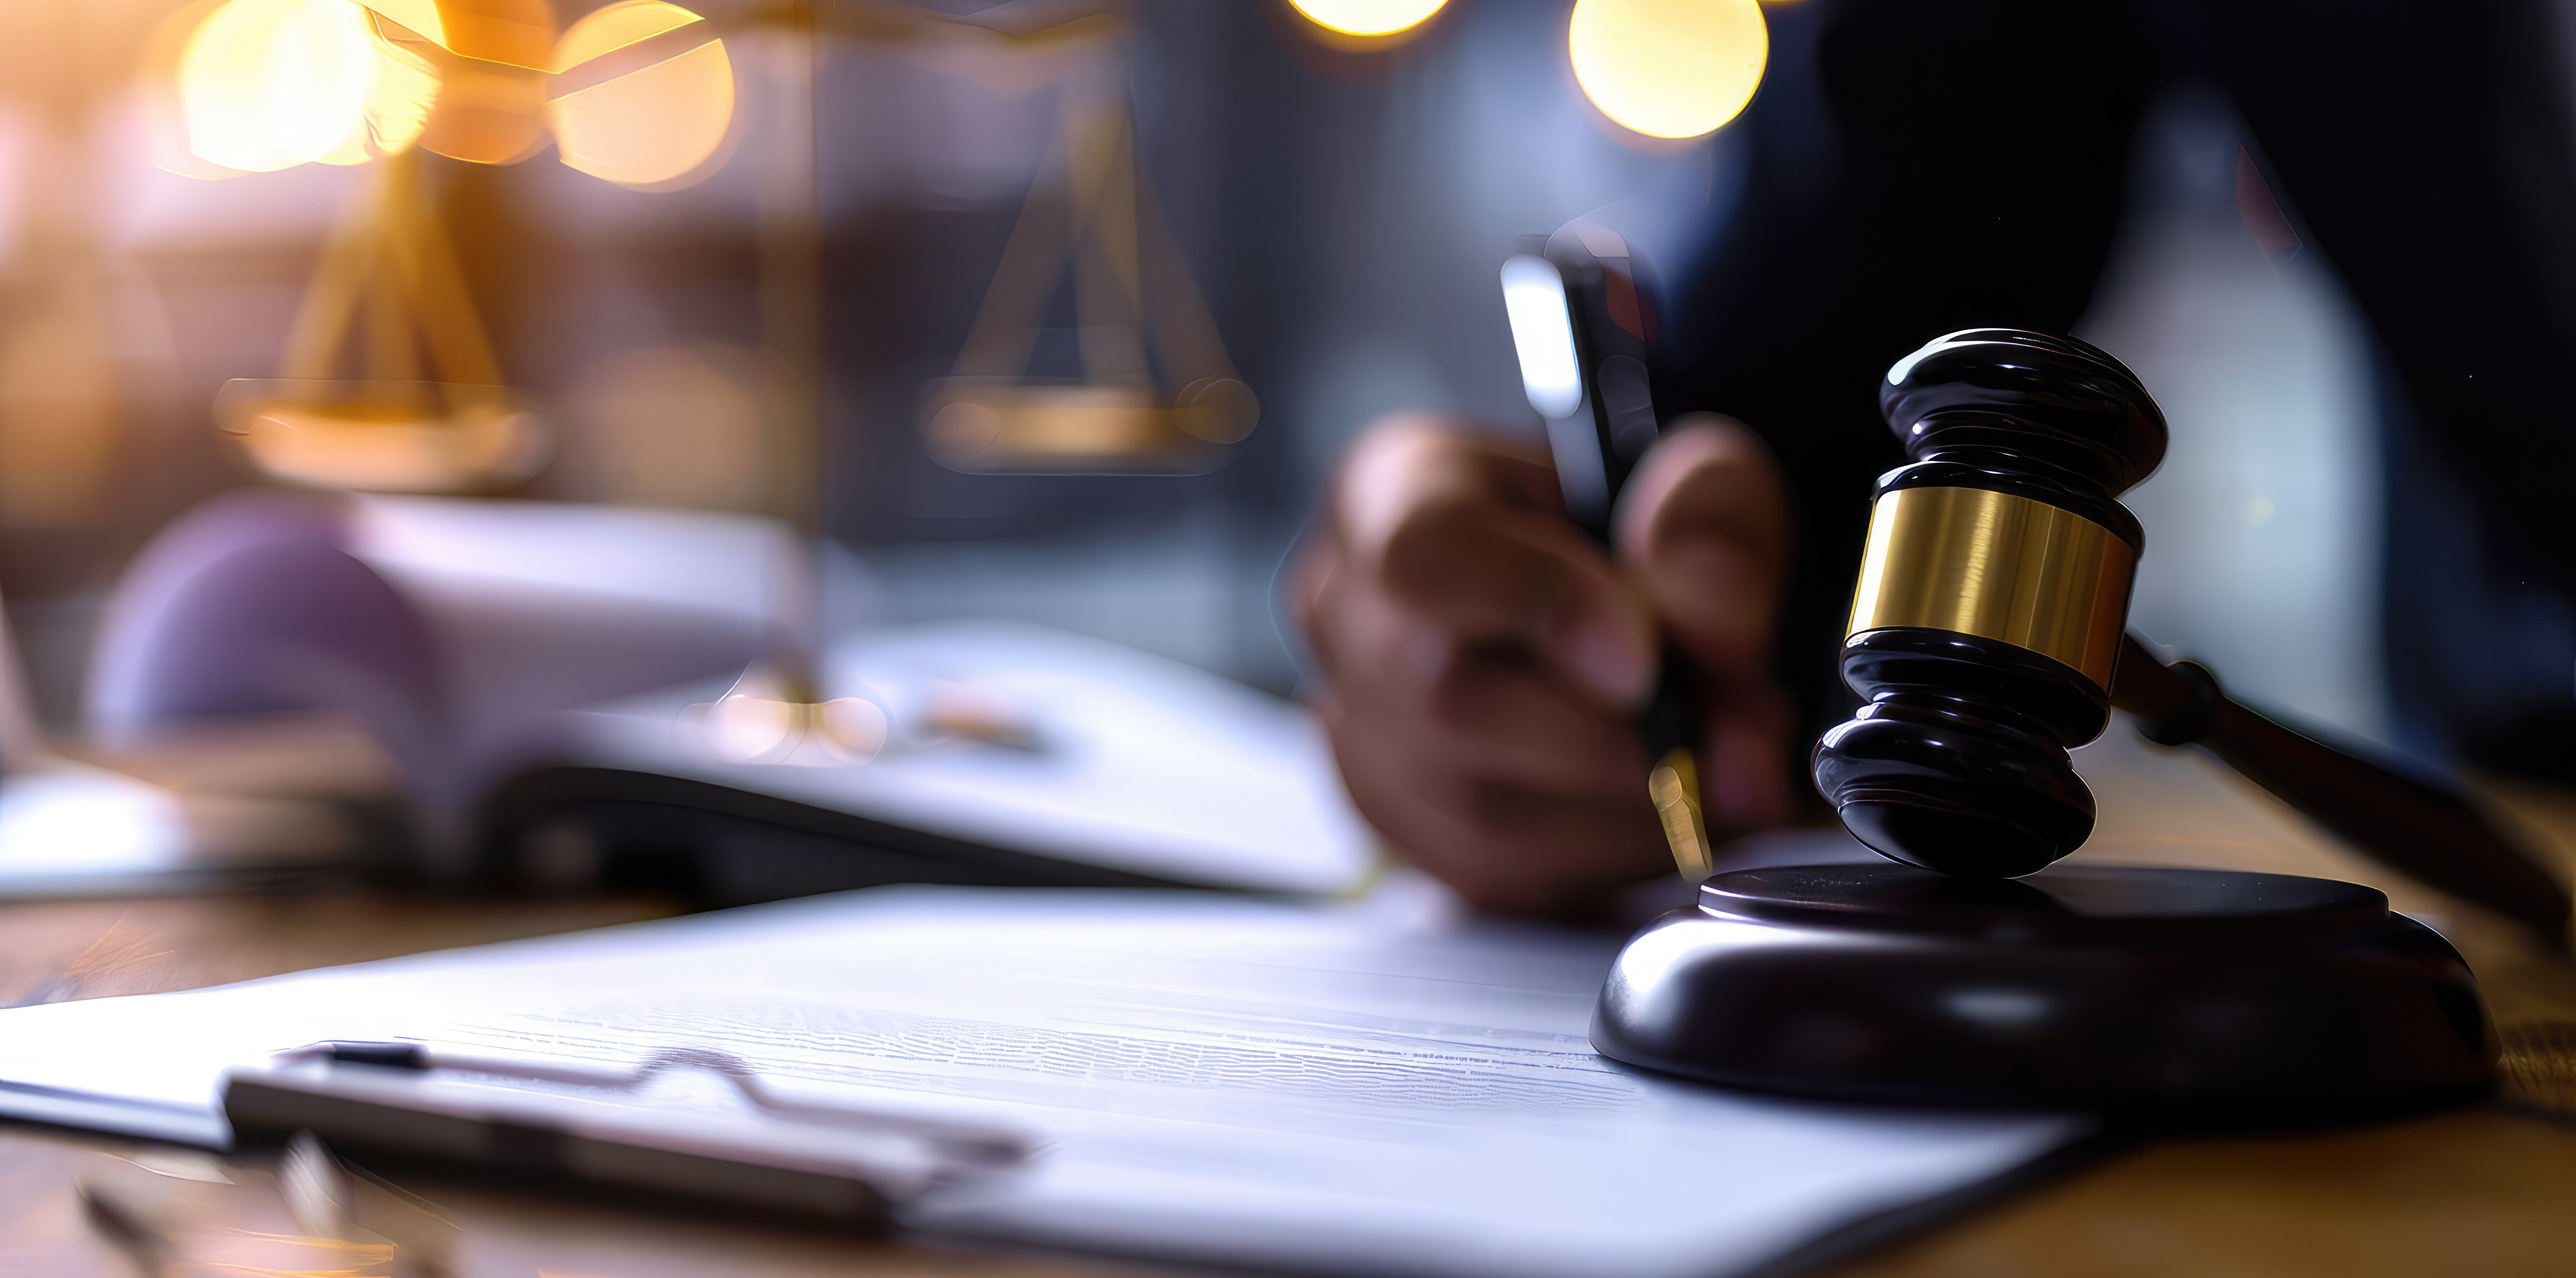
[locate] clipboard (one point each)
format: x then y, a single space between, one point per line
616 1129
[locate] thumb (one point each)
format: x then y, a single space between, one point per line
1703 527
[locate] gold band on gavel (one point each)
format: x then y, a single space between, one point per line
1999 567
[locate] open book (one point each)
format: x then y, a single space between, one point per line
546 680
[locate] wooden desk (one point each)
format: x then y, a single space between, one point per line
2489 1191
2483 1191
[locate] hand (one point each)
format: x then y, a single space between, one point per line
1483 661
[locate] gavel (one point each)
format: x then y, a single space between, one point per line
1987 638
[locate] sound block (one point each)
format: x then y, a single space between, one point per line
2199 995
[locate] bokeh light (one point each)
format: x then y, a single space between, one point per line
1368 18
1669 68
270 84
651 94
745 729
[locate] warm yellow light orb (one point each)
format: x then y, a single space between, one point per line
1669 68
270 84
1368 17
655 98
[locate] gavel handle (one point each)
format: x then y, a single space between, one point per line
2429 832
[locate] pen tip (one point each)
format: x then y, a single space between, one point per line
1674 787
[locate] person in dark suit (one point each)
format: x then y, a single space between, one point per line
1919 166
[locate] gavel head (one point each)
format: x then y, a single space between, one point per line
1991 601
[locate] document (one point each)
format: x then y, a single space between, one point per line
1370 1087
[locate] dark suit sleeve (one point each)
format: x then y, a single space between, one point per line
1918 166
2425 150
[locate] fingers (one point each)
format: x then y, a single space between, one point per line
1483 659
1480 656
1491 708
1504 847
1469 536
1745 773
1496 717
1704 529
1508 719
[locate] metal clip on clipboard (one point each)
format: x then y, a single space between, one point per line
604 1128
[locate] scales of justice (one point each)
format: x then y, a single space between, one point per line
391 383
1986 639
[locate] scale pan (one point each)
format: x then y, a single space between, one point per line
1011 426
386 437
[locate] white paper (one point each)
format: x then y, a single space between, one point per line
1142 765
1216 1079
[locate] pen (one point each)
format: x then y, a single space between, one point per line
1583 327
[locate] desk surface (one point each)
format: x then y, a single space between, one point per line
2484 1190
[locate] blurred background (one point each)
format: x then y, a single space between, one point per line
1053 312
1341 211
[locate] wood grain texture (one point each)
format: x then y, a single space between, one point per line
2480 1191
56 951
